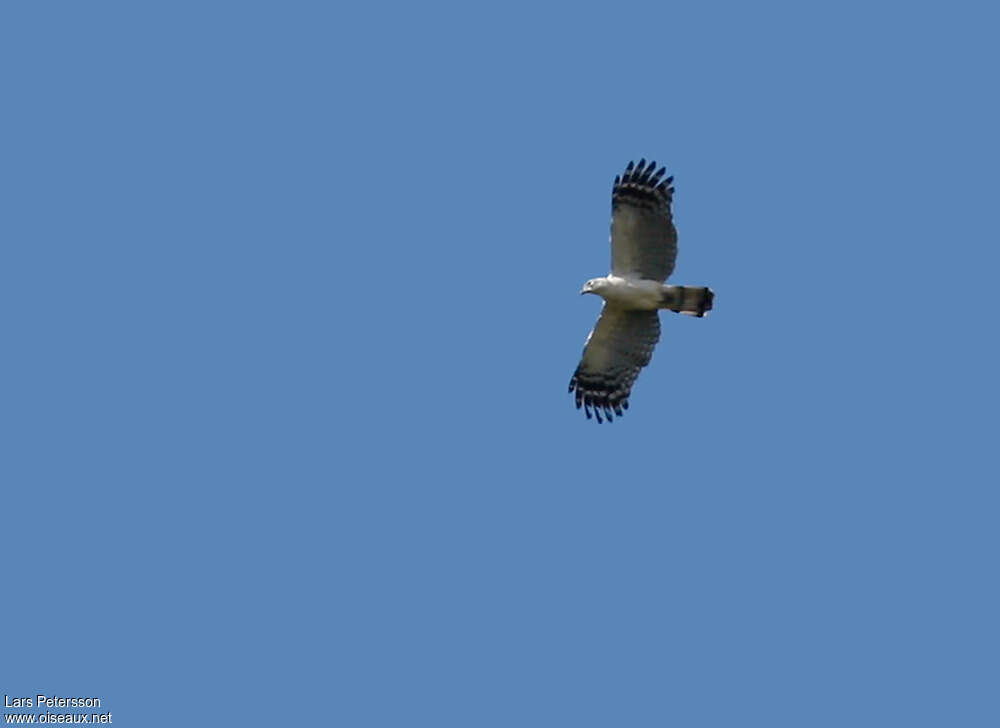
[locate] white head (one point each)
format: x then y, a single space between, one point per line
594 285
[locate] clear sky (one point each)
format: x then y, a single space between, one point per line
290 304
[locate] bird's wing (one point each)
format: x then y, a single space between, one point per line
643 238
620 345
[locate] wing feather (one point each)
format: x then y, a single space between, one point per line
643 237
620 345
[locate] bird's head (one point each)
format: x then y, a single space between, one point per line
594 285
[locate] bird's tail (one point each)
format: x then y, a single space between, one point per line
692 300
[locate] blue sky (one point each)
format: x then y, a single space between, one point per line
290 307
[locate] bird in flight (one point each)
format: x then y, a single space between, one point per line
643 251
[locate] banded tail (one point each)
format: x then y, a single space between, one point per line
692 300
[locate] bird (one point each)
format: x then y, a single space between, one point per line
643 253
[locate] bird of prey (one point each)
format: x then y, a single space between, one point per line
643 251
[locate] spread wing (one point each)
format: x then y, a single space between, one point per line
643 238
620 345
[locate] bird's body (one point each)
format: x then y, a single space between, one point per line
639 294
629 292
643 252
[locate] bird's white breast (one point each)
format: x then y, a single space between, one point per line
636 293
